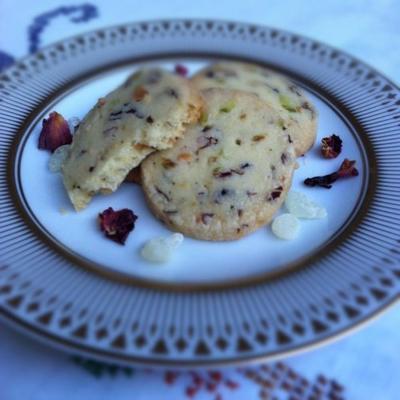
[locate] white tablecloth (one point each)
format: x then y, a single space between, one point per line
363 366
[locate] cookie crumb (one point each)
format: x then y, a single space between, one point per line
63 211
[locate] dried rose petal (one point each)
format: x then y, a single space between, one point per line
222 174
331 146
181 70
206 141
275 194
225 174
346 169
322 181
117 225
55 132
238 171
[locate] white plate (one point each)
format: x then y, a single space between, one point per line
213 303
251 256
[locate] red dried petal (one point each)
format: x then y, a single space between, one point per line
331 146
55 132
117 225
225 174
181 70
346 169
322 181
206 141
275 193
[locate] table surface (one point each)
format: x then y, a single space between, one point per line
362 366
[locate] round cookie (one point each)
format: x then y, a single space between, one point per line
299 117
147 113
228 174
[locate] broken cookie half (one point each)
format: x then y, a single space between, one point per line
148 112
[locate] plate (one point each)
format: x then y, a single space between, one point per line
215 303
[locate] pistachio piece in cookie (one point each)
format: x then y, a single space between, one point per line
218 182
148 112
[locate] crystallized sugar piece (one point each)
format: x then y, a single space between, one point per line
285 226
58 157
301 206
160 249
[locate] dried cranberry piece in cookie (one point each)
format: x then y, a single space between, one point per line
331 146
55 132
117 225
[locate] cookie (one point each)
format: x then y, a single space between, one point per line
299 117
147 113
228 174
